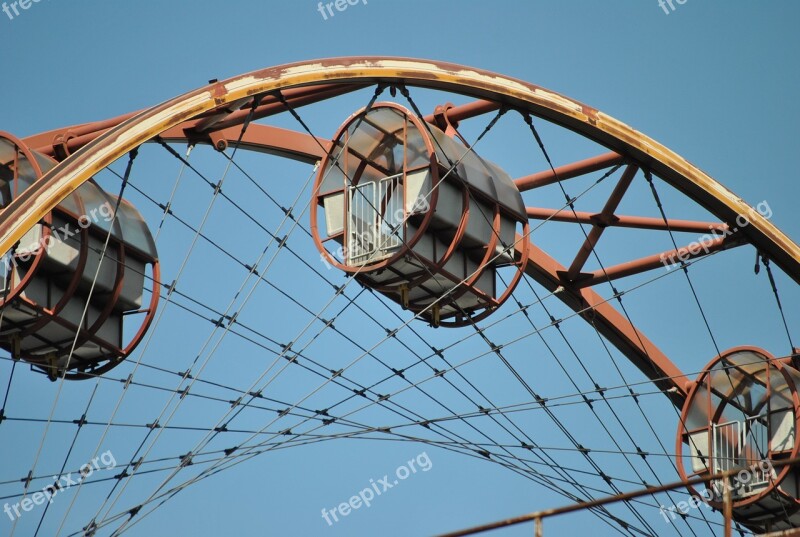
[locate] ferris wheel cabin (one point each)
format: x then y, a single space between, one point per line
418 216
76 279
741 416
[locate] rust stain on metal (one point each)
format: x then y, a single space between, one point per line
549 105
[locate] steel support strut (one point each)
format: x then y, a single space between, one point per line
637 222
569 171
597 229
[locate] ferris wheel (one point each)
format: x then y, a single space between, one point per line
390 249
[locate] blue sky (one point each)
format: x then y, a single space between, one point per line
714 81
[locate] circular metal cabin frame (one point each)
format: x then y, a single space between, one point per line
47 362
436 265
771 498
410 242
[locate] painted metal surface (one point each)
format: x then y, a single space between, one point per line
625 144
482 84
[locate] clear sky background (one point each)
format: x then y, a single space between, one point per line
715 81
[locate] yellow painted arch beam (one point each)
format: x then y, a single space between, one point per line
44 195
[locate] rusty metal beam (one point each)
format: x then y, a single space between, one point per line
785 533
47 142
611 324
209 122
71 139
538 516
263 139
569 171
597 230
271 105
637 222
466 111
538 101
665 259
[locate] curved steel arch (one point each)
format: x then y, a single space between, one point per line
167 120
